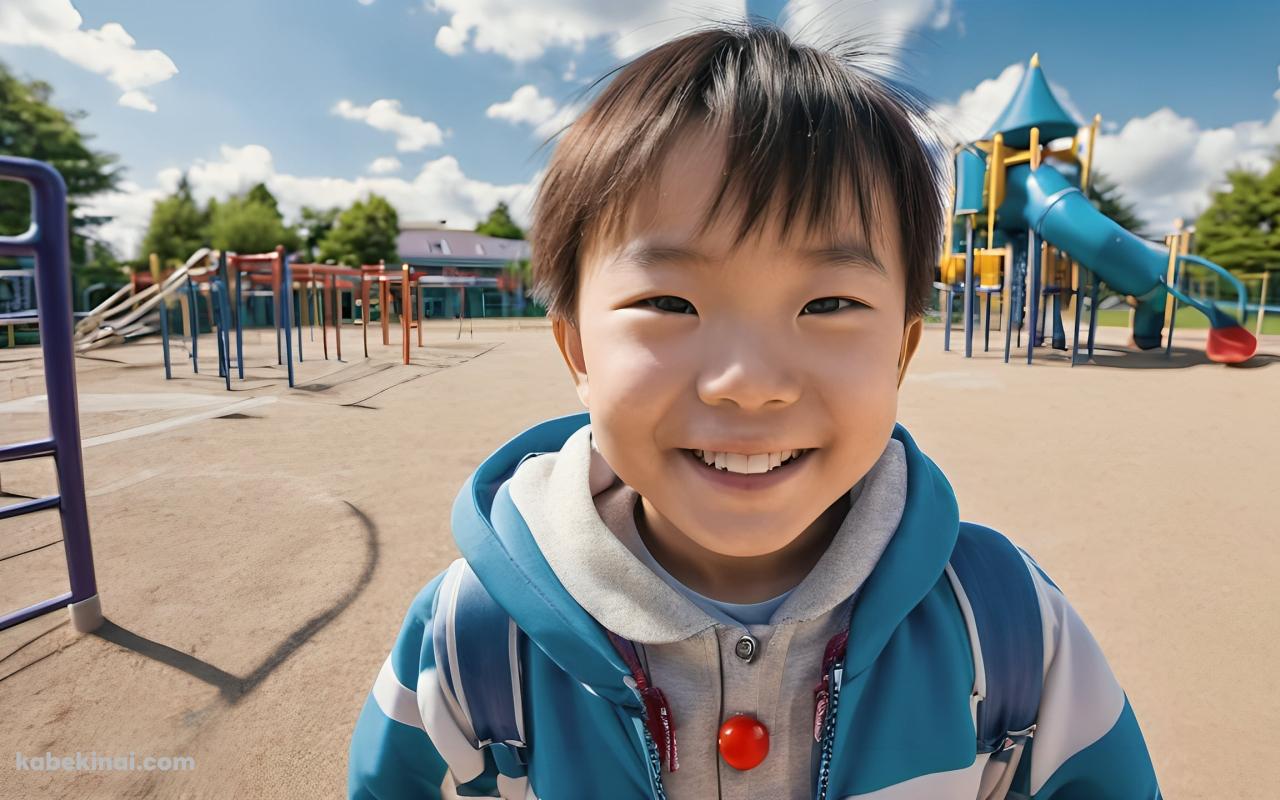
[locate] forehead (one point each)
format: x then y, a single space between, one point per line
666 215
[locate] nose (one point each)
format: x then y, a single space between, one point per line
749 368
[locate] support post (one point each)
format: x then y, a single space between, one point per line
968 286
405 309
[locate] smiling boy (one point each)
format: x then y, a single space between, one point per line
736 547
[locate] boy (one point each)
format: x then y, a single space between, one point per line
736 543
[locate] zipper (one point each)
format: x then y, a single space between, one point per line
828 727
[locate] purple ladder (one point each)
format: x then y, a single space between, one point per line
46 241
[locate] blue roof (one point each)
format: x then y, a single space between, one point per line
1033 106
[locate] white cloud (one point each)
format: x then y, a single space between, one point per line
529 107
56 26
136 99
523 30
885 23
384 165
365 2
130 209
526 105
1167 164
440 190
412 133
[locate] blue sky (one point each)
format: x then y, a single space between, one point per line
260 87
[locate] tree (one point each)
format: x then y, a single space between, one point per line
177 226
32 128
259 193
1240 230
1106 197
500 224
363 234
247 225
314 225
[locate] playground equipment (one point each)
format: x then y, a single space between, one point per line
46 241
1042 233
301 295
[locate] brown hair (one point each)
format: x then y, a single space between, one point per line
816 118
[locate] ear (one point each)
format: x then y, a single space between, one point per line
910 341
569 339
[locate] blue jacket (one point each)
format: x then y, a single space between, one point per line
904 725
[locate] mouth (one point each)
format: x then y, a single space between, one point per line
739 472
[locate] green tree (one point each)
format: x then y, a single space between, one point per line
247 225
500 224
177 226
1106 197
33 128
259 193
314 225
363 233
1240 230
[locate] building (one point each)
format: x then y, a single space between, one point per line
470 267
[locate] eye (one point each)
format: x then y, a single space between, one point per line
827 304
675 306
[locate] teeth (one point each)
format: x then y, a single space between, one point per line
746 465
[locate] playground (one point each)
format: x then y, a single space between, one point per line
255 462
255 550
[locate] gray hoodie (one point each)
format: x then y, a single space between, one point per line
582 518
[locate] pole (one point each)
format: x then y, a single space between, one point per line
286 278
364 313
968 286
405 312
337 315
239 320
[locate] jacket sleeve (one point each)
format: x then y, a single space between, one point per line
1087 743
405 744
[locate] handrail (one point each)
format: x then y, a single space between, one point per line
47 242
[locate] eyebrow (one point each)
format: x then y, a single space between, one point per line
838 256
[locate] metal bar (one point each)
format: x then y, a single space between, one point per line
968 286
1033 297
194 313
1079 303
49 243
323 293
302 313
364 314
986 325
277 313
337 316
25 450
239 323
164 338
405 309
287 279
946 335
418 306
33 611
1093 308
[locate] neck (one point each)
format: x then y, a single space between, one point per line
738 579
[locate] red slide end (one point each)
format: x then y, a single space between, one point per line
1230 345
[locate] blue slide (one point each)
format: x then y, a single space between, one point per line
1045 201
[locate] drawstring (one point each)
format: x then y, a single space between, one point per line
661 723
657 712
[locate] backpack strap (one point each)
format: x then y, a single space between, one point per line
477 652
1002 612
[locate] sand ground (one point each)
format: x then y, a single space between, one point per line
256 550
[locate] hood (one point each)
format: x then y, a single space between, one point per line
496 540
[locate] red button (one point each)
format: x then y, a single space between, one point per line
744 742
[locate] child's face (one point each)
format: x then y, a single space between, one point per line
750 352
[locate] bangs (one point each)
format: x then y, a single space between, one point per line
810 137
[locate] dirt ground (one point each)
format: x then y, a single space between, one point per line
256 550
